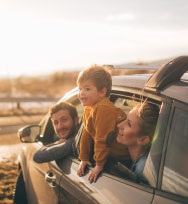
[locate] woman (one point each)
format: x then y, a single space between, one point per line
136 132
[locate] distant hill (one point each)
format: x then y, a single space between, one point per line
58 83
154 63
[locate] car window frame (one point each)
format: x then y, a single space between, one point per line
47 129
159 191
121 94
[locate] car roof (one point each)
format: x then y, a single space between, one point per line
176 90
170 80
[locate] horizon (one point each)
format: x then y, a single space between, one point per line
154 63
40 38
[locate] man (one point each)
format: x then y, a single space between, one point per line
64 118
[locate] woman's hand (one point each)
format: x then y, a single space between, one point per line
95 173
82 166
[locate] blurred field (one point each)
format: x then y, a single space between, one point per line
55 85
8 169
58 83
8 175
9 148
10 112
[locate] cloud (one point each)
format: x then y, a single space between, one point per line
121 17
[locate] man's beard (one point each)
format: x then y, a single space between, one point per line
71 133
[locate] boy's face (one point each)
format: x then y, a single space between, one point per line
88 93
63 123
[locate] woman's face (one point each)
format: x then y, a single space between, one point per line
129 129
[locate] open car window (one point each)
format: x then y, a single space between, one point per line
126 102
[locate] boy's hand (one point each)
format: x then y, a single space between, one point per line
82 166
95 173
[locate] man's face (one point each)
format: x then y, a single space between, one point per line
63 123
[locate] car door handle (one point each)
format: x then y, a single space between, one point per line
51 179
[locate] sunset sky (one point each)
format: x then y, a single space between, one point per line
44 36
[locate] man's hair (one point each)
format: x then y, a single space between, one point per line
64 106
99 76
148 114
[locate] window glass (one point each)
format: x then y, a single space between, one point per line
175 174
43 123
125 104
152 165
80 110
79 107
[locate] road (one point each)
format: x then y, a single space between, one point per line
9 129
10 144
10 125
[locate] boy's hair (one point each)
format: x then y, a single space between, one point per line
64 106
148 114
99 76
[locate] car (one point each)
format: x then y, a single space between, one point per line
166 169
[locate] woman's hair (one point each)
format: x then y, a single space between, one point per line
64 106
148 114
99 76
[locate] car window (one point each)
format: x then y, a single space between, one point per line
175 174
153 161
80 110
43 123
126 103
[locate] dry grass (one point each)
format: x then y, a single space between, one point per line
21 112
8 176
56 84
8 164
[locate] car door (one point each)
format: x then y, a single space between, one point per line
173 182
109 188
42 180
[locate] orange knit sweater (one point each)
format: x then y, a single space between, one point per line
99 120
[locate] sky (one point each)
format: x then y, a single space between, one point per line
39 37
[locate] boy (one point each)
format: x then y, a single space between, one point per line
100 118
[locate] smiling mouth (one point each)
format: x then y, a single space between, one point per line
83 99
63 130
120 134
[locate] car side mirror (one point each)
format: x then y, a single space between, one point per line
30 134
